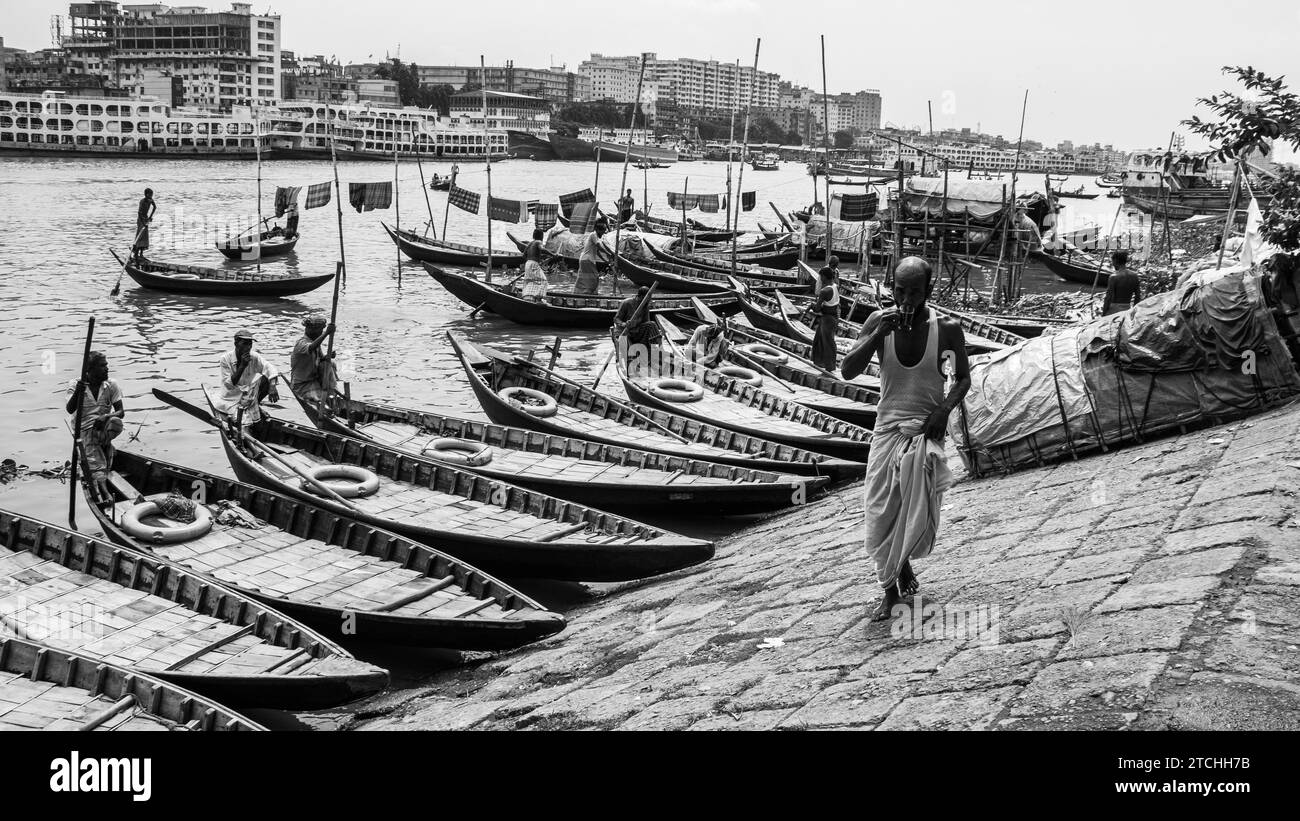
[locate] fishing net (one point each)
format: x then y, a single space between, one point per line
177 508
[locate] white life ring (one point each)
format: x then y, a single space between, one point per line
532 402
676 390
740 374
458 452
164 534
765 352
365 482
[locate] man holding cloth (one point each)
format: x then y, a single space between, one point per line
907 471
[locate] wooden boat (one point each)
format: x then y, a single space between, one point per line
268 244
723 248
233 282
442 184
51 689
498 526
590 473
798 367
328 570
563 309
814 389
1076 195
697 231
1072 271
981 335
684 279
126 608
708 263
778 258
732 404
766 163
1109 180
425 249
586 414
1027 326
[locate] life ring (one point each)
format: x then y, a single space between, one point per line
766 353
365 481
740 374
458 451
532 402
164 534
676 390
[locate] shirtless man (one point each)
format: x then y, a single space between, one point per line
1123 290
915 345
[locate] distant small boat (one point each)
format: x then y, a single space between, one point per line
440 184
1076 195
1108 181
272 243
767 162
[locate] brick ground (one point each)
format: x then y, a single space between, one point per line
1154 587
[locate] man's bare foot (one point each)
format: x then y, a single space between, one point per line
886 607
907 580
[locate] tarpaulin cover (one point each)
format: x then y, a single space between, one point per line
1188 356
845 236
983 199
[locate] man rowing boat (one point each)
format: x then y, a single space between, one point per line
246 379
143 216
907 471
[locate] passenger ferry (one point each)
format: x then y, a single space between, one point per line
302 130
54 124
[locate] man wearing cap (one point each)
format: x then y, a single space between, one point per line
307 378
246 379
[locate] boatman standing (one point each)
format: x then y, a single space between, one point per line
1123 289
826 316
246 379
143 216
593 255
101 417
306 376
626 206
907 471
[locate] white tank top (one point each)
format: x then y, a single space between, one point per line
834 301
910 392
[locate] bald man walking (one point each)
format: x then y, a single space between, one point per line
907 471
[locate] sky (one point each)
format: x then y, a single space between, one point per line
1123 72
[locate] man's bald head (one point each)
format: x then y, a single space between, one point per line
912 271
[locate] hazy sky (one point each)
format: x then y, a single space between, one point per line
1111 71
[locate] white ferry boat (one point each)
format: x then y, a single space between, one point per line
300 130
54 124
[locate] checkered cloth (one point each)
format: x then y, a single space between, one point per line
583 217
748 200
367 196
507 210
683 202
544 215
464 200
567 201
318 195
858 207
284 196
709 203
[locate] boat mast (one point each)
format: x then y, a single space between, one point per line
826 146
257 146
397 194
740 177
341 272
627 157
487 153
731 134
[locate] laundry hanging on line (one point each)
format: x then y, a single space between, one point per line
367 196
318 195
464 199
507 210
284 196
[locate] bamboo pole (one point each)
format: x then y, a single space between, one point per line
1168 237
744 148
446 213
257 143
826 146
487 154
1013 283
76 426
627 157
1232 213
685 185
338 206
731 135
425 188
397 193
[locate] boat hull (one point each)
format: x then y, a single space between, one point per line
228 286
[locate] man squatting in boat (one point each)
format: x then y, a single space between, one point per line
907 471
308 377
101 416
246 379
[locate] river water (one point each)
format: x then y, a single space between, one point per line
59 217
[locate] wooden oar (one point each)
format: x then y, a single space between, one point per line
76 426
117 288
205 416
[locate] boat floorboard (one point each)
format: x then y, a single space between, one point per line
43 705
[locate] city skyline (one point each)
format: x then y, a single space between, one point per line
973 68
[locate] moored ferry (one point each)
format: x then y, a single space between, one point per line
302 130
54 124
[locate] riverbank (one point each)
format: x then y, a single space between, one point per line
1156 587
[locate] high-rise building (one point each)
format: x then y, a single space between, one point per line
505 110
317 79
616 78
690 84
556 85
210 60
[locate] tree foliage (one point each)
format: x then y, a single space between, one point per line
843 139
409 90
1243 126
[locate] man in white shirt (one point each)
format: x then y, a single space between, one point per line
246 379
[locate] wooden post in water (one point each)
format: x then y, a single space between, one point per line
342 271
731 137
487 155
685 185
1013 282
627 157
744 148
397 193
